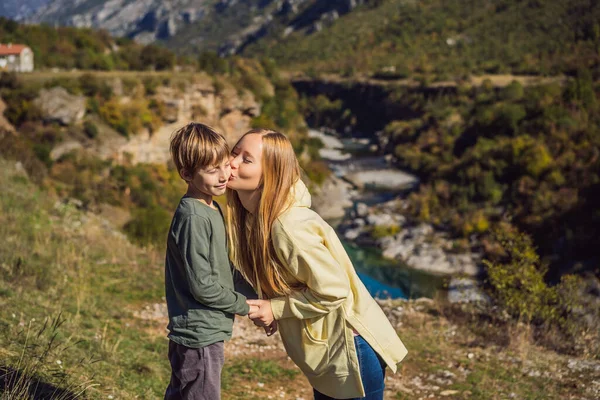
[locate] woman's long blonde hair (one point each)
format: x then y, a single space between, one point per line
250 244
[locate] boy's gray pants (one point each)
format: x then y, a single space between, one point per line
195 373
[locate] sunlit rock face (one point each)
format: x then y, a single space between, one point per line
226 26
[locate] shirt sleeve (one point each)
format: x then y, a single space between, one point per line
308 259
242 285
194 245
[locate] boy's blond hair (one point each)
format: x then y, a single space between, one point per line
197 146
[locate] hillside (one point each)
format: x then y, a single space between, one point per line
84 311
20 9
444 39
69 48
387 38
192 25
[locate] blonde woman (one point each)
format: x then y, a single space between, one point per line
330 325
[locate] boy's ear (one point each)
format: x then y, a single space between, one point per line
185 174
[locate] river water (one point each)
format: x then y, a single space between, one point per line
351 159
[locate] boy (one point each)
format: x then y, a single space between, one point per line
198 276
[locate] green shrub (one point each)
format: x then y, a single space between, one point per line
91 86
149 226
90 129
211 63
517 278
381 231
513 92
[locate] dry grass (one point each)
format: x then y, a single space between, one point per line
99 283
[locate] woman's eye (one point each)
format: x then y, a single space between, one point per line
247 161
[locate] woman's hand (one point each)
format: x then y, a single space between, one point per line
263 316
271 329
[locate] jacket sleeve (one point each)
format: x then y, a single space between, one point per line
194 245
307 258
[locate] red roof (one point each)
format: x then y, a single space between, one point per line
12 49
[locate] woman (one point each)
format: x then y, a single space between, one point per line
329 324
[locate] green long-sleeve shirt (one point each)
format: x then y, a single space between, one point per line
198 277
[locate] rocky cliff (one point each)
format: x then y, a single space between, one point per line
20 9
228 111
226 108
224 25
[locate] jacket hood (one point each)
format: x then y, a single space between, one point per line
300 195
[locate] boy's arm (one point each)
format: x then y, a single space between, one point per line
194 245
241 285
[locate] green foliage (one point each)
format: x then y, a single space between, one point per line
381 231
157 58
60 261
444 39
68 48
19 99
517 283
212 64
90 129
316 171
513 92
39 369
281 111
129 118
525 151
321 111
91 86
149 225
581 91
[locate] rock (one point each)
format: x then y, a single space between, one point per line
4 124
385 219
64 148
362 210
421 249
464 263
466 290
388 179
446 393
332 198
249 106
352 234
229 112
57 105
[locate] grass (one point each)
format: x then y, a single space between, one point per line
441 346
56 259
71 289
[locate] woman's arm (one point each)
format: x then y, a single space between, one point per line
304 253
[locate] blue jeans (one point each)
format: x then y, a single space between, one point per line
372 372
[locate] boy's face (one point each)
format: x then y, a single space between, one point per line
208 181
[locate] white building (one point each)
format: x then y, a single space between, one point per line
16 57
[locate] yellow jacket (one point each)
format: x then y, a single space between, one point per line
316 323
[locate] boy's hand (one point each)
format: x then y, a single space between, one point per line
253 309
264 315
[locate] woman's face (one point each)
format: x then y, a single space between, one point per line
246 164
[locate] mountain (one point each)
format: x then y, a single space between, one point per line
20 9
440 39
443 39
224 25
